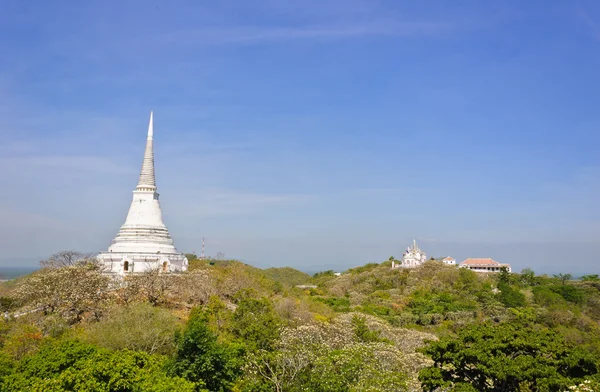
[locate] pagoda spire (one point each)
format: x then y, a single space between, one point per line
147 179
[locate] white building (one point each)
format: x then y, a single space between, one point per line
412 257
447 260
484 265
143 242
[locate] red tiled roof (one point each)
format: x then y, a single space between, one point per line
448 258
487 261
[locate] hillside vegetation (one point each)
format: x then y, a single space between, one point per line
227 326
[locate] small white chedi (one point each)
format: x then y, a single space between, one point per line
143 242
412 257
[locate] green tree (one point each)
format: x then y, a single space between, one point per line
200 358
510 296
8 304
256 323
75 366
506 357
362 332
563 277
528 276
504 276
569 293
590 278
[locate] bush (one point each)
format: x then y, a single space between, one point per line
570 293
200 358
544 296
339 304
506 357
71 365
140 327
256 323
511 297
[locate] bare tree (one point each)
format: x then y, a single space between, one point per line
153 284
195 287
68 258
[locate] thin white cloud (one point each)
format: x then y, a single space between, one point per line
81 163
589 20
27 220
212 202
254 35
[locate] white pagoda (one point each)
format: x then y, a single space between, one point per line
412 257
143 242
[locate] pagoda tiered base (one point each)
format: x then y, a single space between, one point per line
127 263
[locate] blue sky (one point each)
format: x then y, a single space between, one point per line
316 134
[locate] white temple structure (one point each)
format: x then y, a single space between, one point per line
143 242
412 257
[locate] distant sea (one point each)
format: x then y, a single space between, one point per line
7 273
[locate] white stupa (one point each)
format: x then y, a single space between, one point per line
144 242
412 257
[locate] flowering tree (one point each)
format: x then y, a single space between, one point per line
352 353
69 291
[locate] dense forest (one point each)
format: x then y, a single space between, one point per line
227 326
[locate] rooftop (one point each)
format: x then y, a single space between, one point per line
487 261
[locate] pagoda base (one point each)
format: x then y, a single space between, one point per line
130 263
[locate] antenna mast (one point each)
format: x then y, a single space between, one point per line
202 254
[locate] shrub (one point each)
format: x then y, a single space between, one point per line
139 327
511 297
505 357
71 365
256 323
569 293
200 358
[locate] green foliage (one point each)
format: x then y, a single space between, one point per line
233 276
255 332
563 278
528 277
8 304
191 257
504 276
329 273
200 358
545 296
362 332
140 327
75 366
590 278
326 358
365 268
570 293
339 304
352 369
422 302
256 323
505 357
287 276
22 339
510 296
218 316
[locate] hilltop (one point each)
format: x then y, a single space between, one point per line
372 328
